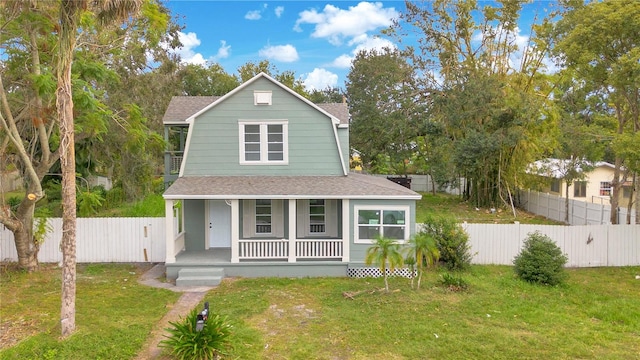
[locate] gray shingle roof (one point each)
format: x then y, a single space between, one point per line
181 107
353 186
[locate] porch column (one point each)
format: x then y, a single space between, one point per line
235 231
292 230
346 226
170 241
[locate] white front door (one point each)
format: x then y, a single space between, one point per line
219 224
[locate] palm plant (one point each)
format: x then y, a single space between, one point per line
385 253
423 251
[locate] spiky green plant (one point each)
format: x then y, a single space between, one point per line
385 253
422 248
184 342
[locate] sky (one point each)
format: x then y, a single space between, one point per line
315 39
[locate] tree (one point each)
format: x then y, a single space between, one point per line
287 78
327 95
198 80
385 117
599 43
385 253
423 250
488 92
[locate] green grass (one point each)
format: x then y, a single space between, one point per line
452 205
151 205
114 314
595 315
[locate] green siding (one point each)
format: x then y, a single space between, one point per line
194 224
357 251
214 143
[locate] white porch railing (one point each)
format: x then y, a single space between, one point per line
263 249
279 249
319 249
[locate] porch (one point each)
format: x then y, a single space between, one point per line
257 265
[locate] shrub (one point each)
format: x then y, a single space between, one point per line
185 342
540 261
453 282
452 242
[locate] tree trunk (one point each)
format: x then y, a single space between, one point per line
616 186
69 14
26 246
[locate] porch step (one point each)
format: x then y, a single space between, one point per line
201 276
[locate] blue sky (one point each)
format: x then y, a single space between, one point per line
315 39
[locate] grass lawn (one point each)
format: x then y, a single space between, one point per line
114 314
596 315
439 204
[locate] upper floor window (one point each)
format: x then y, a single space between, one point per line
605 188
317 216
579 189
264 142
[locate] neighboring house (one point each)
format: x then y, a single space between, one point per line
595 187
264 189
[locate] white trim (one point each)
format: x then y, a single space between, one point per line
297 196
407 217
186 150
333 119
346 238
170 256
264 150
235 230
345 170
292 230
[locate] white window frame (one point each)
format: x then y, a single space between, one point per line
262 97
270 206
382 208
264 143
605 187
324 217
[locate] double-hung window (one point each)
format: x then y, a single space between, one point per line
579 189
263 216
264 142
390 222
317 216
605 188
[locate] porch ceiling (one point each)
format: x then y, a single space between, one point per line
353 186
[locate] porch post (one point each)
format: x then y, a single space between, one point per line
292 230
170 241
235 230
346 226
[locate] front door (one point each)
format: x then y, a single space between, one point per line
219 223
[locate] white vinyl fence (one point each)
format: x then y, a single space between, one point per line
580 212
100 240
585 246
143 240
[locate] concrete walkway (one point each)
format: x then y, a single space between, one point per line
191 297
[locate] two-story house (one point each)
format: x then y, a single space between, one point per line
264 189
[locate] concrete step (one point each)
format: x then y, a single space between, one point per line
200 276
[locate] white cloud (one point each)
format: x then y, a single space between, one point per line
253 15
187 54
279 10
320 79
336 24
224 51
284 53
362 42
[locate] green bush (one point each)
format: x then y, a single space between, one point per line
452 242
185 342
14 202
453 282
540 261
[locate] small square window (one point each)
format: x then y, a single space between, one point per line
262 97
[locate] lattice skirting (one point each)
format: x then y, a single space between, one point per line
375 272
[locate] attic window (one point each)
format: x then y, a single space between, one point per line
262 97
